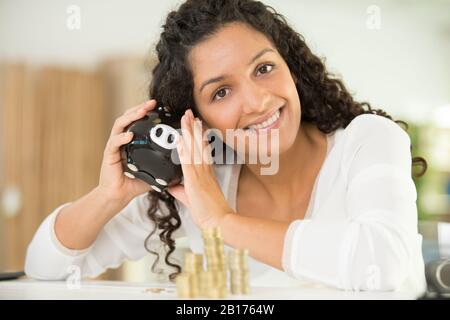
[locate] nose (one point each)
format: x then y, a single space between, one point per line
255 98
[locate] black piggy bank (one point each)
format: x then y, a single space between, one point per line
152 155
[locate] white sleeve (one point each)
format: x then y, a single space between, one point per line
122 238
378 246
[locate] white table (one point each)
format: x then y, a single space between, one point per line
106 290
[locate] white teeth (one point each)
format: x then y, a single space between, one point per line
266 123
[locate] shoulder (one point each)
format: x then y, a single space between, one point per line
371 131
371 139
372 126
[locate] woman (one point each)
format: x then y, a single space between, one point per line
340 210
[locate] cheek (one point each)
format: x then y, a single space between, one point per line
223 117
284 86
287 85
292 95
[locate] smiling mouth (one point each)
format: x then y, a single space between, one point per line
267 123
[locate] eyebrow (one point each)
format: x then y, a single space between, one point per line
222 77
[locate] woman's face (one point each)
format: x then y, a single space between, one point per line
240 80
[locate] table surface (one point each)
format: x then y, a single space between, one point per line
105 290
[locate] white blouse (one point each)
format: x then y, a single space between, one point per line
359 231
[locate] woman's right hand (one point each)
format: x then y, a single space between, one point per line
113 183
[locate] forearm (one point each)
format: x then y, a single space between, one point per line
78 224
263 238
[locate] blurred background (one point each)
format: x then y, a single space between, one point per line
69 68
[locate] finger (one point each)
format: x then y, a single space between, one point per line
203 146
186 160
200 145
188 142
206 150
122 122
180 150
197 133
147 104
112 150
196 136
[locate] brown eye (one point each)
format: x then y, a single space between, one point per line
221 93
266 68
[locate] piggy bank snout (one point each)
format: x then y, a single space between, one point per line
165 136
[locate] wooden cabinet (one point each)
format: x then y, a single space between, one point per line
54 125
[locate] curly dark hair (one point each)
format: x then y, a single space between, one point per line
324 98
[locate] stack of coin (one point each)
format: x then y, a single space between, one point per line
193 265
184 287
239 276
210 285
194 281
193 262
214 281
214 249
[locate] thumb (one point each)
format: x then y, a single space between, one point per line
178 193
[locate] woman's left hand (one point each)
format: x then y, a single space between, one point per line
201 192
